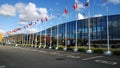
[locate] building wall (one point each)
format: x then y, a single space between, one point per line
98 30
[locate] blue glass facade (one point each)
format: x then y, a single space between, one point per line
98 30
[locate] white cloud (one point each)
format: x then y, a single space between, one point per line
2 31
80 16
29 12
99 15
23 23
7 10
20 6
115 1
43 12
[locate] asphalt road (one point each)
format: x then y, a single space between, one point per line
20 57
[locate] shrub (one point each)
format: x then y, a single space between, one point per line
82 49
60 48
53 47
99 51
47 47
70 49
116 52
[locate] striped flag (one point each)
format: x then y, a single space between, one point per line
75 6
65 11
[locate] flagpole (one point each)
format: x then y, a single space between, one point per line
16 40
65 37
89 44
76 47
57 37
108 52
22 38
32 38
36 37
40 38
27 38
45 36
50 37
66 12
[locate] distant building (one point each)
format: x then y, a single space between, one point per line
1 36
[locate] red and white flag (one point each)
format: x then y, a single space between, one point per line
65 11
75 6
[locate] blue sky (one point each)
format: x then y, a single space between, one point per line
13 16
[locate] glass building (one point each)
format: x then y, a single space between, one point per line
98 30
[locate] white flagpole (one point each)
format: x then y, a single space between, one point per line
45 36
21 37
65 37
57 37
40 38
36 38
76 47
89 44
27 38
32 39
50 37
108 52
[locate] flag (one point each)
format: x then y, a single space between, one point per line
37 20
8 32
19 28
41 20
65 11
24 27
105 1
75 6
46 19
14 30
87 3
31 24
